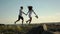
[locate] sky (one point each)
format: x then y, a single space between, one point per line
47 10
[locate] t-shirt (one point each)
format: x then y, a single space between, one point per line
20 12
30 13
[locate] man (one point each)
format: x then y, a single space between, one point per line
20 15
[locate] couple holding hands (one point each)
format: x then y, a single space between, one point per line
29 13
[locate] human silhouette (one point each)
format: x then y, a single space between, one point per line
30 10
20 15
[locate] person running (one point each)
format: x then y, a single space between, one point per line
30 10
20 15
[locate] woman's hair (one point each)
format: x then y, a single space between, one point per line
30 7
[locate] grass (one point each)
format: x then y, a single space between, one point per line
18 28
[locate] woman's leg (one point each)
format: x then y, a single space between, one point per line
30 19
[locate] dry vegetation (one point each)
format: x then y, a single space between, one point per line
19 29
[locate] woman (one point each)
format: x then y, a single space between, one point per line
30 10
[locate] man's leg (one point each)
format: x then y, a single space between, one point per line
22 20
17 20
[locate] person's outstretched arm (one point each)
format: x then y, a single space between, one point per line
27 12
35 14
23 13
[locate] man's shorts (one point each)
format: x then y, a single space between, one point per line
20 17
